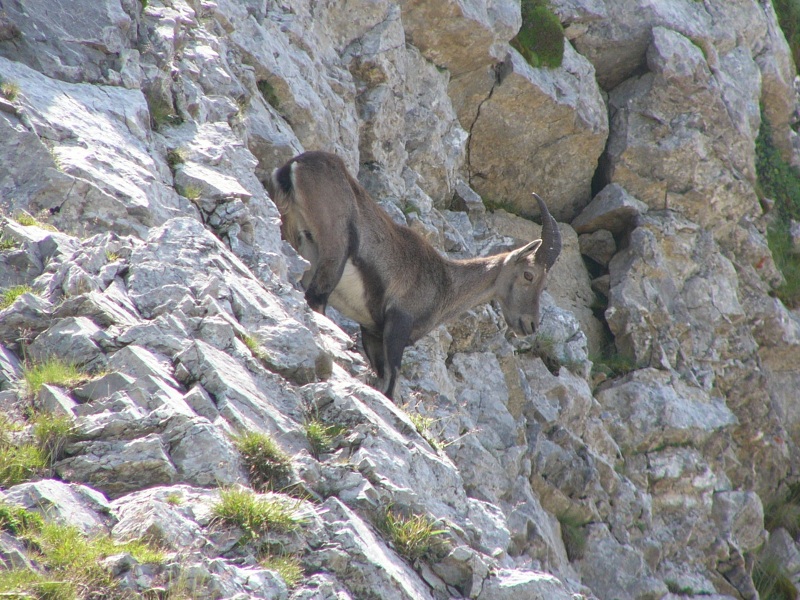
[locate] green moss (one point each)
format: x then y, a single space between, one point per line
779 181
541 38
268 92
573 535
788 12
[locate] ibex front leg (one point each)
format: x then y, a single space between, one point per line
396 335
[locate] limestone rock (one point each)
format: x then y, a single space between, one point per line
512 585
440 31
570 138
118 186
68 43
73 504
680 167
680 289
116 468
613 209
598 246
653 408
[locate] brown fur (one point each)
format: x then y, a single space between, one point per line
408 287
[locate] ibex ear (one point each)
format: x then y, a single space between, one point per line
526 251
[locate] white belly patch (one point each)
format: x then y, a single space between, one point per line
349 297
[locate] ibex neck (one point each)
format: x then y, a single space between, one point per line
473 282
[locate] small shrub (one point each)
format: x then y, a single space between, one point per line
321 436
541 38
269 467
778 180
175 157
268 92
788 12
53 371
112 256
9 90
254 514
7 297
7 244
573 535
286 565
415 537
191 192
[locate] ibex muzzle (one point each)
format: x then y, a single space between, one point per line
386 277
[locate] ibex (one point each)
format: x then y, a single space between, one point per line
385 276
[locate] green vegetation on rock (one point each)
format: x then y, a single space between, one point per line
779 181
541 38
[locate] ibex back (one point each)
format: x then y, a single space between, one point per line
385 276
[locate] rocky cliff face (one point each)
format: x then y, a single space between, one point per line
141 131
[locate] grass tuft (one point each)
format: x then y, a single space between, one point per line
15 519
286 565
256 514
18 462
7 297
415 537
191 192
69 562
27 220
53 371
256 349
52 433
772 581
174 499
321 437
22 462
783 511
424 424
268 466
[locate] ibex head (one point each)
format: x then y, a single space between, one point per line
524 275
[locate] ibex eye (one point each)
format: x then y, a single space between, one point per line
528 275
